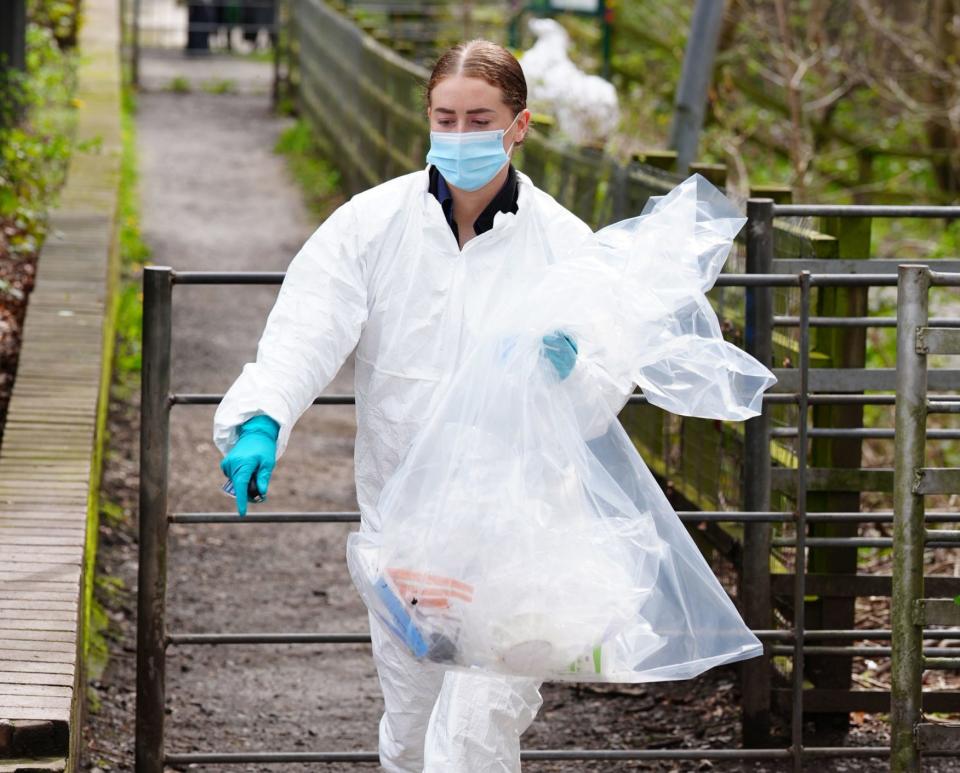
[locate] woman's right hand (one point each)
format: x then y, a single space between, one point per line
254 454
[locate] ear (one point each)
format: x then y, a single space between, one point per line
523 124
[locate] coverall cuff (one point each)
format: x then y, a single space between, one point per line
262 424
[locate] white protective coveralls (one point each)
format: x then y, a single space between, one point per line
384 273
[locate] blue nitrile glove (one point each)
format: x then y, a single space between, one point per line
255 453
561 350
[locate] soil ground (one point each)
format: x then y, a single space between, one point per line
215 196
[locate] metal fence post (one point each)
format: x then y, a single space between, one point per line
755 572
908 517
152 578
799 575
135 46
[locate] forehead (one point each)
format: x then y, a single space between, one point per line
461 93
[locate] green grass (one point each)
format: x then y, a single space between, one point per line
308 157
134 253
179 85
223 86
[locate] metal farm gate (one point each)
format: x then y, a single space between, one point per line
791 523
802 390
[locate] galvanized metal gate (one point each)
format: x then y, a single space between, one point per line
917 339
799 387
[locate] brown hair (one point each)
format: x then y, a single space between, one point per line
485 60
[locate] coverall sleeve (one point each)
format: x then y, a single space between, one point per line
314 325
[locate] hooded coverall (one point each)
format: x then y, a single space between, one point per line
385 274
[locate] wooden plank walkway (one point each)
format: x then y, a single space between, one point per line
50 457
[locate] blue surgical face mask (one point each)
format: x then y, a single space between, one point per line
469 160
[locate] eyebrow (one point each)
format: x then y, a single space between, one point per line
469 112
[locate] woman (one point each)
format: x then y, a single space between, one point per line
408 271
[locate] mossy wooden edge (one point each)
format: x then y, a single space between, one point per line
91 194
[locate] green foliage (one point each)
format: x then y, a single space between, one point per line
222 86
36 124
134 252
307 158
179 85
61 17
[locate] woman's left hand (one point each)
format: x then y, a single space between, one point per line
561 349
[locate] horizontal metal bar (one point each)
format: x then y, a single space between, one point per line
943 279
855 634
724 280
880 433
853 280
850 399
943 664
543 755
235 757
937 480
854 266
687 516
942 406
228 277
725 516
859 379
859 651
268 638
941 535
854 542
183 398
789 321
331 517
938 339
864 210
775 398
838 542
363 638
883 516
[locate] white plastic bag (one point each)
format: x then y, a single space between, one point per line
523 533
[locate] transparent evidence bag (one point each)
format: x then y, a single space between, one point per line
522 533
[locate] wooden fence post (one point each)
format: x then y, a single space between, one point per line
844 348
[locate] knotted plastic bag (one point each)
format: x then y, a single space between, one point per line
522 533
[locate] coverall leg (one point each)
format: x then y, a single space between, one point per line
445 722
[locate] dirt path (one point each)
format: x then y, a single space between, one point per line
215 196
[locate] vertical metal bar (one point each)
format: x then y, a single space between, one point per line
135 46
800 561
275 40
911 420
152 575
754 592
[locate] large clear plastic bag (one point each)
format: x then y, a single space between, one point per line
522 533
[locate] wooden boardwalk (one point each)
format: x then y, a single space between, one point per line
50 457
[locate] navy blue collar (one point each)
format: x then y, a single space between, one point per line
504 201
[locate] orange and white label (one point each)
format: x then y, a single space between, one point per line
429 591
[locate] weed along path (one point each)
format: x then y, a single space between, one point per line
215 196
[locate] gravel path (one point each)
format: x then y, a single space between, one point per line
215 196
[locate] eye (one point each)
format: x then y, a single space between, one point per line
481 123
